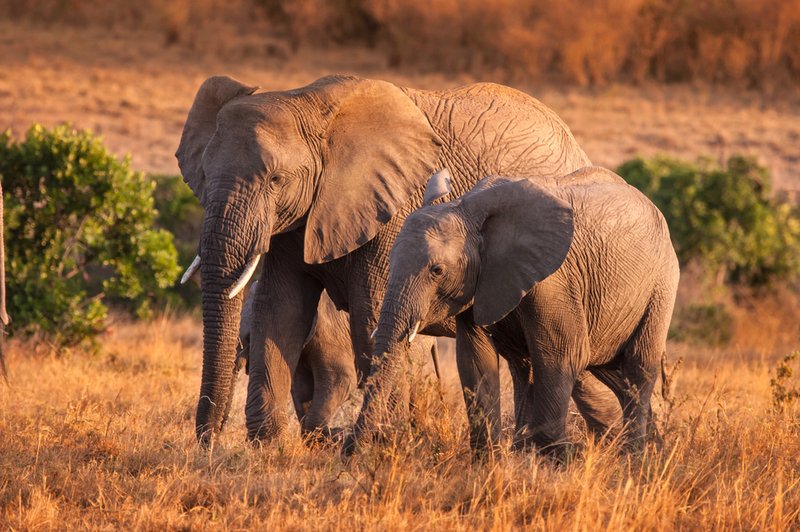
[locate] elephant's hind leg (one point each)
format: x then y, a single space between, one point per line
302 387
640 366
334 379
329 355
598 405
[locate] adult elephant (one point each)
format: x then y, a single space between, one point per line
321 178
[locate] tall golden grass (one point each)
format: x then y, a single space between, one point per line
105 440
740 42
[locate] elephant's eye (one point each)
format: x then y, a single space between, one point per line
437 270
276 179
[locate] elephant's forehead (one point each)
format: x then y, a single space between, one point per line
436 221
264 114
435 233
269 128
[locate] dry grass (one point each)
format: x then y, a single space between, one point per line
106 441
135 92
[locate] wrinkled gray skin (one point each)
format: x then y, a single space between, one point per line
323 177
326 372
571 274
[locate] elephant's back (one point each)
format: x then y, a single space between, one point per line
621 257
494 129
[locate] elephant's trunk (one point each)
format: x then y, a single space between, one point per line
386 389
226 250
220 335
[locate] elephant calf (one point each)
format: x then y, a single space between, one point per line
573 273
326 373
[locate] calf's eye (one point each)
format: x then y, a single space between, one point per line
437 270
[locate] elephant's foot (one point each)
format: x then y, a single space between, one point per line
265 431
559 449
349 446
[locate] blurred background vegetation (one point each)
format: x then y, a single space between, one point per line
588 42
86 233
83 231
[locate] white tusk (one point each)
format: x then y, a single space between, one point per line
248 272
372 336
413 333
191 270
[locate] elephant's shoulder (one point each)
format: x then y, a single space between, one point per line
591 175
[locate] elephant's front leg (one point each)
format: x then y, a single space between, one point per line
478 368
521 378
286 303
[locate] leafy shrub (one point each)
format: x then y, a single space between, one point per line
709 324
723 217
180 213
79 229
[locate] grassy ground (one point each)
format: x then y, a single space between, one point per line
105 440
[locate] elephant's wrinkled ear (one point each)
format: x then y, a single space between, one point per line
526 234
438 187
201 124
378 150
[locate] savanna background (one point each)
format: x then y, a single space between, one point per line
697 103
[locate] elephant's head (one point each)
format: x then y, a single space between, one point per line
338 157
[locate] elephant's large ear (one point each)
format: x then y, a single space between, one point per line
379 148
526 233
201 124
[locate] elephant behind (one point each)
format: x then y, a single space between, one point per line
326 373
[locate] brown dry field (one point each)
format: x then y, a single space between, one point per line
136 92
105 439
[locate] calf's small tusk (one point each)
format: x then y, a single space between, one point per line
413 333
191 270
248 272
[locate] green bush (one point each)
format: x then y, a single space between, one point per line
79 230
724 218
709 324
180 213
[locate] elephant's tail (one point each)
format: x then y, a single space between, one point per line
668 377
435 358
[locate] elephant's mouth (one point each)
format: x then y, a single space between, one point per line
244 278
241 281
412 331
